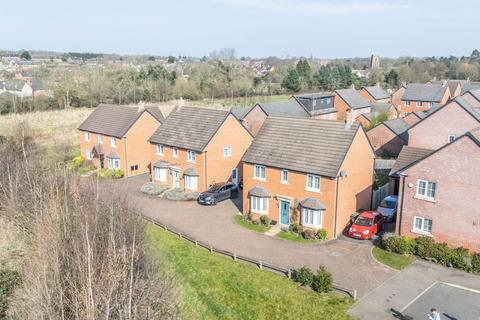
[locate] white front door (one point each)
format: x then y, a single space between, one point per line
176 178
235 176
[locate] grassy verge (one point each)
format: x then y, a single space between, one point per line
291 236
213 287
246 224
393 260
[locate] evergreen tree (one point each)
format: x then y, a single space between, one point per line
25 55
292 81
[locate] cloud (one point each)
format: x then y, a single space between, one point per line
314 7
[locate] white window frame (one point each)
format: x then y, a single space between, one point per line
257 172
284 175
113 142
430 104
406 103
451 138
423 225
161 174
312 218
99 138
313 179
227 152
86 136
159 149
191 182
419 104
113 163
175 152
258 205
427 184
191 156
88 155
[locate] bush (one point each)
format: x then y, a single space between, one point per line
8 279
476 262
398 244
308 234
294 227
111 173
322 234
118 173
76 163
304 276
322 281
460 258
265 220
424 246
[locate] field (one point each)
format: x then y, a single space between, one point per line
214 287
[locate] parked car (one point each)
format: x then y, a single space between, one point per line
388 208
218 192
366 224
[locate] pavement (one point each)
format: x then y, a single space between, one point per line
350 262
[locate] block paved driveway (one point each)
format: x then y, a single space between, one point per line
350 262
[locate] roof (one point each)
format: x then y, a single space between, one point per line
287 108
14 85
312 203
156 113
97 149
424 92
470 86
116 120
407 156
161 164
353 98
399 126
190 128
240 112
113 155
317 103
475 93
322 144
377 92
377 109
191 172
38 84
259 192
420 114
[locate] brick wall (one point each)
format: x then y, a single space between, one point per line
383 138
254 120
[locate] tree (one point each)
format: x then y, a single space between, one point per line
171 59
65 57
151 58
391 78
25 55
292 81
304 71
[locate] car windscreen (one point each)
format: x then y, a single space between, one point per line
215 188
388 204
364 222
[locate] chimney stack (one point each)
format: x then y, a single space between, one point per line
352 86
181 103
348 120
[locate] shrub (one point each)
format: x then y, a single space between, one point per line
398 244
265 220
322 234
460 258
255 221
476 262
308 234
111 173
423 246
8 279
304 276
118 173
322 281
76 163
294 227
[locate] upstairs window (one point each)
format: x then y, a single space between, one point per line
227 152
430 104
259 172
113 142
426 189
191 156
159 149
407 103
419 103
175 152
313 183
100 138
86 136
451 138
284 176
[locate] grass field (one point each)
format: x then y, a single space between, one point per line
213 287
290 236
246 224
393 260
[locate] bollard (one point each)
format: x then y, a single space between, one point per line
211 249
196 243
289 274
180 235
260 265
355 294
165 227
234 257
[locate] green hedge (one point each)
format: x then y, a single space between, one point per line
425 247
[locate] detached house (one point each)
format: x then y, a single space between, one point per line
197 147
375 94
420 97
350 102
116 137
309 171
378 109
390 136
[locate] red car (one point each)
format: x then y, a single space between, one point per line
366 224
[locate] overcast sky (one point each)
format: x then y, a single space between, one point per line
257 28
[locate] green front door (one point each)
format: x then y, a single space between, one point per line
284 212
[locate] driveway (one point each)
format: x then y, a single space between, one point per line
350 262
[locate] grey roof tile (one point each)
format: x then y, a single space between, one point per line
398 126
240 112
424 92
353 98
259 192
407 156
377 92
313 203
190 128
317 103
287 108
305 145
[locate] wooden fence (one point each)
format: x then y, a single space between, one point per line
379 195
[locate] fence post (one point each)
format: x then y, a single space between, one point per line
234 257
165 227
196 243
180 235
211 249
289 273
355 294
260 265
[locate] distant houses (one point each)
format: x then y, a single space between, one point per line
420 97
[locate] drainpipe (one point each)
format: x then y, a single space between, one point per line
126 160
335 212
206 172
400 214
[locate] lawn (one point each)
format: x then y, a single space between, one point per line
246 224
393 260
214 287
294 237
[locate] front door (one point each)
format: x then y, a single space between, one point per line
284 212
235 176
176 178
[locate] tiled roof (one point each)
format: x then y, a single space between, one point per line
353 98
377 109
14 85
240 112
305 145
115 120
190 128
424 92
398 126
407 156
475 93
377 92
317 103
287 108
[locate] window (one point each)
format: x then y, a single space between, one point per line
313 183
113 163
191 182
451 138
113 142
159 149
88 155
227 152
430 104
422 225
407 103
329 100
259 205
426 189
161 174
284 176
175 152
86 136
100 138
259 172
419 103
312 218
191 156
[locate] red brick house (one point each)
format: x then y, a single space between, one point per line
197 147
421 97
390 136
116 137
438 193
375 94
414 117
319 105
349 103
310 171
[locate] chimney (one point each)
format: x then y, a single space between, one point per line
403 84
352 86
444 83
348 120
181 103
141 106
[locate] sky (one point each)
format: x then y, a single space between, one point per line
255 28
